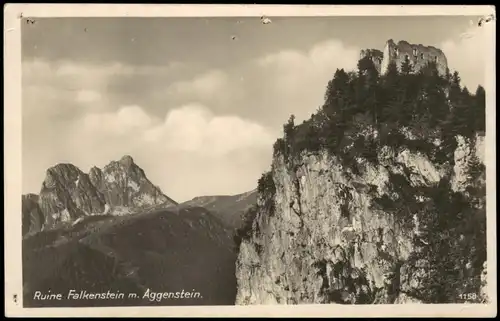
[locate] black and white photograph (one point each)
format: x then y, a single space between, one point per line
254 159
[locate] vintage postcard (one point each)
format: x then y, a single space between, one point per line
246 160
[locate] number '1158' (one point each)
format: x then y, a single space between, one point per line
468 296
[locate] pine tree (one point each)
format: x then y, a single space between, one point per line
289 128
313 140
406 67
289 131
337 93
367 89
366 66
463 117
392 71
480 109
434 102
455 88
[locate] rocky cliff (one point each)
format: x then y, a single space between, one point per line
375 199
68 194
325 242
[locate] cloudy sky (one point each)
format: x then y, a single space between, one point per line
197 102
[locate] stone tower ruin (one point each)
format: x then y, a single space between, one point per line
418 56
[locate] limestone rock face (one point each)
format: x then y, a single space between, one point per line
325 242
68 194
125 184
463 155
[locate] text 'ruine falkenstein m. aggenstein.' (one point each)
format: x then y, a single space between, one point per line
378 198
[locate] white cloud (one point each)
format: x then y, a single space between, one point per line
292 81
126 120
88 96
34 71
57 87
188 153
327 54
78 77
193 128
468 54
68 68
267 89
208 86
69 82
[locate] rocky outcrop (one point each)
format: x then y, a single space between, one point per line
464 154
68 194
326 241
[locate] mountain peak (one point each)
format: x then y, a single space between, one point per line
127 160
68 193
60 172
62 167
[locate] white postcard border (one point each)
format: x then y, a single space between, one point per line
13 160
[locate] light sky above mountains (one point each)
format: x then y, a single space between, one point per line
197 102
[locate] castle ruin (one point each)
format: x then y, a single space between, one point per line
418 56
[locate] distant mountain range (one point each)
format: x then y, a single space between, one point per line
68 195
112 229
228 208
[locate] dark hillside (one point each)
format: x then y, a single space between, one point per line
164 251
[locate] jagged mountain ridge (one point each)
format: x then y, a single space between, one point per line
68 194
228 208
